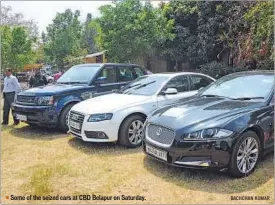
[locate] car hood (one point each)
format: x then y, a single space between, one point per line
201 112
108 103
52 89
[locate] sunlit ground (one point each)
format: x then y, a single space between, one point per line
46 162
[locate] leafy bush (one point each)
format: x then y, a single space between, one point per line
266 65
218 69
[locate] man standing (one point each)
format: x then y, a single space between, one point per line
37 80
11 87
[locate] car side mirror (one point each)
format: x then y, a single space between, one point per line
170 91
100 80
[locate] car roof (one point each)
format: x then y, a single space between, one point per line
254 72
172 74
102 64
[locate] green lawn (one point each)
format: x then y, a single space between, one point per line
45 162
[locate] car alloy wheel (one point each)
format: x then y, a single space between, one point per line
247 155
135 132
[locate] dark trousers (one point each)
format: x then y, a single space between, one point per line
8 100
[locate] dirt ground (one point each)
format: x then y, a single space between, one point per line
45 162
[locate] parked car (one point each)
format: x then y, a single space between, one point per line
49 105
22 76
120 116
226 126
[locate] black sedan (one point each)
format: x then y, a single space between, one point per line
228 125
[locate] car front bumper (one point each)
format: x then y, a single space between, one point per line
104 131
45 116
195 154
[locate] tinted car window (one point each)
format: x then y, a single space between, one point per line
241 86
109 73
198 81
144 85
180 83
139 71
79 74
126 74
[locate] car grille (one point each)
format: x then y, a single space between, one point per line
160 134
25 100
76 117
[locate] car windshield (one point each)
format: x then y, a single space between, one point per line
145 85
79 74
240 86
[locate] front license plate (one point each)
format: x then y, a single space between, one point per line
156 152
21 117
75 125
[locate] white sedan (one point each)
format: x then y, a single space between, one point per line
120 116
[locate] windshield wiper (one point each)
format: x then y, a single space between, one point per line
71 83
248 98
141 86
219 96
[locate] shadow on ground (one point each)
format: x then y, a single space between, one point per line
101 148
36 133
210 181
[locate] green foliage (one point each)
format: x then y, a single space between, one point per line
89 35
16 47
64 38
219 69
129 29
261 20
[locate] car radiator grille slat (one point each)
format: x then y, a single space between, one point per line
160 134
76 117
26 100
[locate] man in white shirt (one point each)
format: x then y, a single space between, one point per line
11 87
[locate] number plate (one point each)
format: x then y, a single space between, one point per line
156 152
75 125
21 117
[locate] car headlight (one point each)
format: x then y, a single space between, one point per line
100 117
211 133
45 100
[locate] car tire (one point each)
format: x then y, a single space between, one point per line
50 81
62 124
32 124
241 156
125 136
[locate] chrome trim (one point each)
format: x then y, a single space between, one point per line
155 142
75 135
195 163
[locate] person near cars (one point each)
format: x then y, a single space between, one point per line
58 75
37 80
11 87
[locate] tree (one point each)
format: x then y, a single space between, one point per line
17 19
129 30
88 35
16 47
63 38
260 18
184 46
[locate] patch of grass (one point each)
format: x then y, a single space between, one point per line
45 162
39 182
